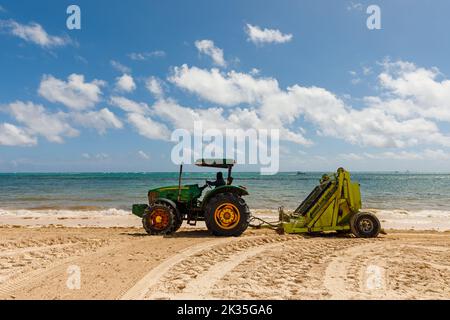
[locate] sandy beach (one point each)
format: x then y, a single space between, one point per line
117 260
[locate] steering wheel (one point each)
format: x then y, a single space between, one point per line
207 184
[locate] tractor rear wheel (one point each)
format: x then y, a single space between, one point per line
365 225
159 219
227 215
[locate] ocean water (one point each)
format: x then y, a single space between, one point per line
403 194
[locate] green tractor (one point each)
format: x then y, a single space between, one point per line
223 209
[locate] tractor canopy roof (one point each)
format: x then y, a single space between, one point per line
215 163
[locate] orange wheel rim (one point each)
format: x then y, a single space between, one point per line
227 216
159 219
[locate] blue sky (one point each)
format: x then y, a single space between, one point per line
343 95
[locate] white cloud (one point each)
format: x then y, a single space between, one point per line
411 104
81 59
120 67
255 71
125 83
154 85
233 89
355 78
149 128
351 156
96 157
102 156
10 135
129 106
138 117
354 6
438 154
219 119
366 71
34 33
75 93
397 155
368 126
262 36
208 48
272 107
52 126
184 117
143 56
413 91
143 155
230 89
100 120
427 154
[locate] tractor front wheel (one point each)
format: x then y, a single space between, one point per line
365 225
227 215
159 219
178 223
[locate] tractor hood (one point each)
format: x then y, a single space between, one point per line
188 192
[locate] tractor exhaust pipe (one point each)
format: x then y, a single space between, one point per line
179 183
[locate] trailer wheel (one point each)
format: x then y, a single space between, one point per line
159 219
227 215
365 225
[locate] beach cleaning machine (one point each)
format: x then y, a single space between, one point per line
334 205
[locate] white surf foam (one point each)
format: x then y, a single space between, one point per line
63 213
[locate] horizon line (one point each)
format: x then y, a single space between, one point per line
176 171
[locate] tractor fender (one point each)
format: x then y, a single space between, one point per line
240 191
169 202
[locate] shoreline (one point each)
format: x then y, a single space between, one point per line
425 220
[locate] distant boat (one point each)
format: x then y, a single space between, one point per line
300 173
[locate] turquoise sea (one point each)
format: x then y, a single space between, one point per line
86 191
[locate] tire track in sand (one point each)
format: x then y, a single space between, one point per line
141 288
20 251
200 287
192 273
338 277
395 270
23 280
58 265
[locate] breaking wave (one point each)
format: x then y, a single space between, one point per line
81 212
